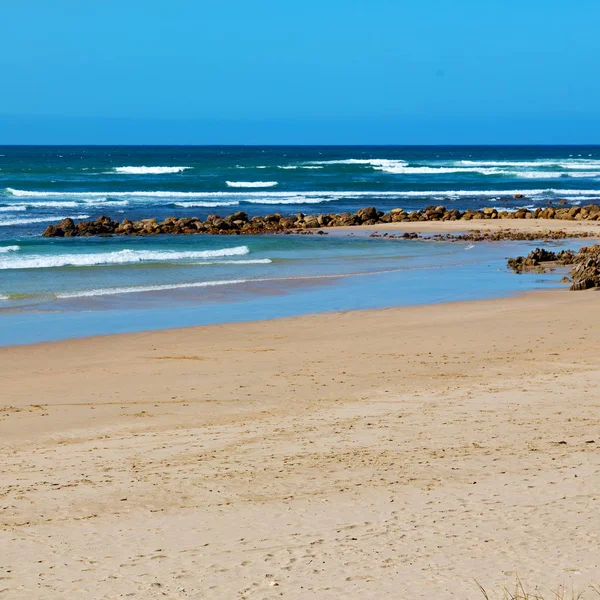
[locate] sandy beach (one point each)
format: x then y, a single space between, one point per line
483 225
400 453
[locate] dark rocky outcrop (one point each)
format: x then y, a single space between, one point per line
585 265
240 223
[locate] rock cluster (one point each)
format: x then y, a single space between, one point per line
240 223
585 264
489 236
585 273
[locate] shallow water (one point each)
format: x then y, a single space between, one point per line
223 279
56 288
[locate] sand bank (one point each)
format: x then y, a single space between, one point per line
521 225
397 453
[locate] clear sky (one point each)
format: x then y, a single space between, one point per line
316 71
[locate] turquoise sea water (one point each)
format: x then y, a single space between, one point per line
56 288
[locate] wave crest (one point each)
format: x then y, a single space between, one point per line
148 288
14 208
204 204
251 184
149 170
7 222
116 258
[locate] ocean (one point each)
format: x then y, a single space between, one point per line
57 288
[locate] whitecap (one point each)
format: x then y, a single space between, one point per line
7 249
251 184
205 204
119 257
66 204
541 163
373 162
149 170
14 208
7 222
250 196
290 200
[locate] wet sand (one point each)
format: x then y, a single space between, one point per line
399 453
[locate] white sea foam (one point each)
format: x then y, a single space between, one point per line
149 170
147 288
105 202
591 174
554 174
3 297
536 174
256 197
289 200
251 261
251 184
542 163
200 284
7 222
580 199
512 209
374 162
14 208
119 257
403 170
64 204
205 204
401 167
7 249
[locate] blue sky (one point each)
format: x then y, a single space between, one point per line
322 71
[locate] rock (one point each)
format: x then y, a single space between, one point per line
239 222
585 272
311 222
367 214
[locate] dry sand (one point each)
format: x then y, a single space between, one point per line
386 454
529 225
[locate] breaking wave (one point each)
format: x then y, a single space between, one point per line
251 184
6 222
148 288
149 170
115 258
204 204
543 163
6 249
259 197
15 208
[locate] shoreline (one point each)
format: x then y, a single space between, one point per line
515 293
279 319
335 455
